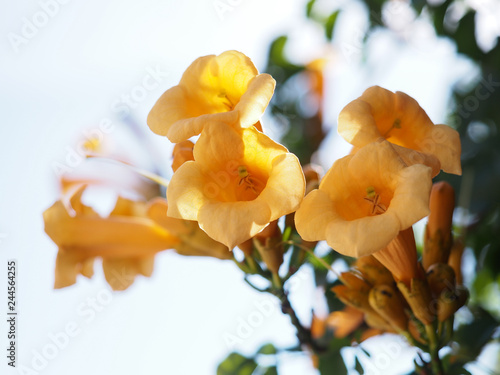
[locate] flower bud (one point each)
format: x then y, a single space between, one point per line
312 174
268 244
450 301
387 302
373 271
419 298
181 153
455 259
440 277
353 297
438 238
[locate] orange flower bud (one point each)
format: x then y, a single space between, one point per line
387 302
373 271
419 298
455 260
450 301
312 174
181 153
438 238
440 277
268 244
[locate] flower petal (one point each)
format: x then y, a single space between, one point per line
232 223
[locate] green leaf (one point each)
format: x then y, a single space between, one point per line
267 349
332 363
309 7
236 364
472 337
330 24
358 367
270 371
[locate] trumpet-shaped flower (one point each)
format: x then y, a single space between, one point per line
400 119
225 88
365 200
127 240
238 183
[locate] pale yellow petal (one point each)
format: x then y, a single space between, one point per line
286 180
411 197
232 223
362 236
314 215
119 273
186 192
255 100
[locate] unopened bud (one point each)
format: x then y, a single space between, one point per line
440 277
387 302
270 247
455 259
181 153
438 238
373 271
312 174
419 298
354 281
374 320
353 297
450 301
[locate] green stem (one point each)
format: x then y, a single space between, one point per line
437 367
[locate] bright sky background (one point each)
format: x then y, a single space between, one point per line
69 76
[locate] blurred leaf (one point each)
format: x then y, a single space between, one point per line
330 24
464 36
358 367
236 364
473 336
309 7
332 363
270 371
267 349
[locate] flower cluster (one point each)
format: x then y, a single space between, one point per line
232 183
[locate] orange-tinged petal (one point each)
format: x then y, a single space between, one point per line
399 118
225 88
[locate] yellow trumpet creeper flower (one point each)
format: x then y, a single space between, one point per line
127 240
238 183
400 119
225 88
365 200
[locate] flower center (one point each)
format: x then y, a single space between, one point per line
395 125
225 100
374 199
249 185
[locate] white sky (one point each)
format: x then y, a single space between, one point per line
66 78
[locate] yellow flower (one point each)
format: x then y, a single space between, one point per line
127 240
364 200
226 88
399 118
238 183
